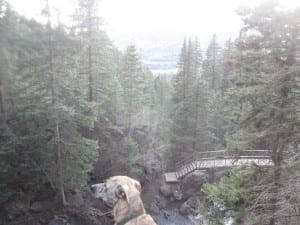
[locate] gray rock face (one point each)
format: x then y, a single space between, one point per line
57 221
192 183
36 207
158 205
166 190
190 206
171 191
169 217
177 193
179 203
197 177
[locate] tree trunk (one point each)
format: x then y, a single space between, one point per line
60 165
196 133
90 56
277 159
213 80
90 69
58 150
59 170
2 103
63 196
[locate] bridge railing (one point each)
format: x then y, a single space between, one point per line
223 154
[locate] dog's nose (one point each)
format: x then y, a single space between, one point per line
93 188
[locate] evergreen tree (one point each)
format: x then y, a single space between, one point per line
266 83
163 90
132 83
7 145
227 66
87 27
73 152
190 131
4 29
46 109
211 71
98 62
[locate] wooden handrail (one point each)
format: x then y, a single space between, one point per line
223 154
217 159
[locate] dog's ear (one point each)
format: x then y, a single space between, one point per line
120 193
138 186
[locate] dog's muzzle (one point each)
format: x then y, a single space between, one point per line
96 190
93 188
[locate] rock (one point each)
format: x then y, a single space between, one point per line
200 175
177 193
171 217
161 202
57 221
198 219
184 209
193 202
155 210
43 221
158 205
36 207
192 183
165 190
190 206
197 177
166 215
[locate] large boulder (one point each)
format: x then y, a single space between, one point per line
172 191
196 178
177 193
193 182
166 190
57 221
191 206
36 207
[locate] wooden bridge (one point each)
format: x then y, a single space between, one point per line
218 159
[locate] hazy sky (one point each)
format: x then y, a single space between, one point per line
142 20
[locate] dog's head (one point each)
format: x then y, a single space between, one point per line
116 188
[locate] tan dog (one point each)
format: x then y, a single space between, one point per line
123 195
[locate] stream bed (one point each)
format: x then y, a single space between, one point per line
167 217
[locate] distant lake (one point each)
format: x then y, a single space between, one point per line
164 71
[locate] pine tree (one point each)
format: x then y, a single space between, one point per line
98 62
211 71
5 28
190 131
46 109
132 84
7 145
87 27
227 66
72 150
266 84
16 50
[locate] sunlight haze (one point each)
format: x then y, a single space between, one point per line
132 20
187 110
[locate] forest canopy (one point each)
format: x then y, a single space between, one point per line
74 109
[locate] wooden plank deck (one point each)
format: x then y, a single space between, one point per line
171 177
